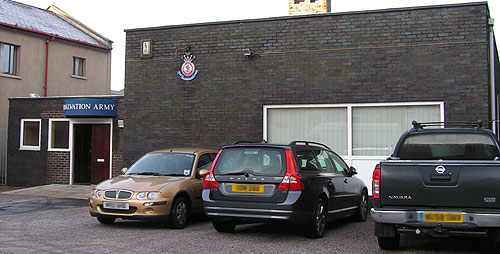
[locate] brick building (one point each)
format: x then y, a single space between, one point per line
64 140
354 81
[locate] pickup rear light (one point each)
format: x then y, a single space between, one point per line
376 182
291 180
209 180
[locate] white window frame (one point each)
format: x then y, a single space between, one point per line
15 73
74 72
349 157
70 135
21 138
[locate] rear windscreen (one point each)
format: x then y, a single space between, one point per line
255 161
448 146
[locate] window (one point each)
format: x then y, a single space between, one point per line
340 165
261 161
349 130
448 146
306 160
59 134
78 67
9 58
324 161
324 125
30 134
376 129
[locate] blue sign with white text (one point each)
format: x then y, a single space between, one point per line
89 107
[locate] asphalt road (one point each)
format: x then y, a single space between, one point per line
41 225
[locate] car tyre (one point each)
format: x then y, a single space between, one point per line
224 226
388 243
362 211
179 214
106 220
317 225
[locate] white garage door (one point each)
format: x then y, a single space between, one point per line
363 134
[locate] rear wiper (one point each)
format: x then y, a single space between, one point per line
244 172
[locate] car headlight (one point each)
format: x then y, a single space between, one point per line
153 195
98 193
141 195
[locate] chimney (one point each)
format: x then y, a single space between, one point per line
303 7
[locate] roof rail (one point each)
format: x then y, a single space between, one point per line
309 143
477 124
249 142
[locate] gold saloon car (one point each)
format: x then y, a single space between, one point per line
164 185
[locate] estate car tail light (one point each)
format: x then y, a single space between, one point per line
376 182
209 180
291 180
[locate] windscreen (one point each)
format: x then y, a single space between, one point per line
254 161
163 164
448 146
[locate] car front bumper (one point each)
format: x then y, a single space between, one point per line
138 209
414 218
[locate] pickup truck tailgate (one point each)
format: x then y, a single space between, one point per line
440 183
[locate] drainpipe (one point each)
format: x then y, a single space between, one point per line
492 79
47 43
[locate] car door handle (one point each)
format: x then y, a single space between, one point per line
345 180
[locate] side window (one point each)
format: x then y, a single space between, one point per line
9 58
204 160
58 135
339 163
78 67
306 160
213 156
325 163
30 134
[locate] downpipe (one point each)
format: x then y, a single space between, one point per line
47 43
492 78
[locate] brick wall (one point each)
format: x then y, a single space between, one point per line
405 55
31 168
58 166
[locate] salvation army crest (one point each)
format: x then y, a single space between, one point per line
188 69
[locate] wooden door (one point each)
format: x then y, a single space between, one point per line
100 153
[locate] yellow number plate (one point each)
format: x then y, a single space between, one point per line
252 188
442 217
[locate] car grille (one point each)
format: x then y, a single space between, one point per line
131 210
118 194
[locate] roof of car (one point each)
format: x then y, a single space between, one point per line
185 150
282 146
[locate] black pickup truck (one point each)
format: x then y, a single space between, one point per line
438 182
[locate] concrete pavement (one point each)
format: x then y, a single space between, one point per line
55 191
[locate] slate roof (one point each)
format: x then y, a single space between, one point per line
34 19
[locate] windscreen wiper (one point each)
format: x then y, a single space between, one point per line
148 173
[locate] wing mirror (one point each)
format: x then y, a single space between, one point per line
203 172
124 170
353 170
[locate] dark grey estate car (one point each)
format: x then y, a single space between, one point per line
302 182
